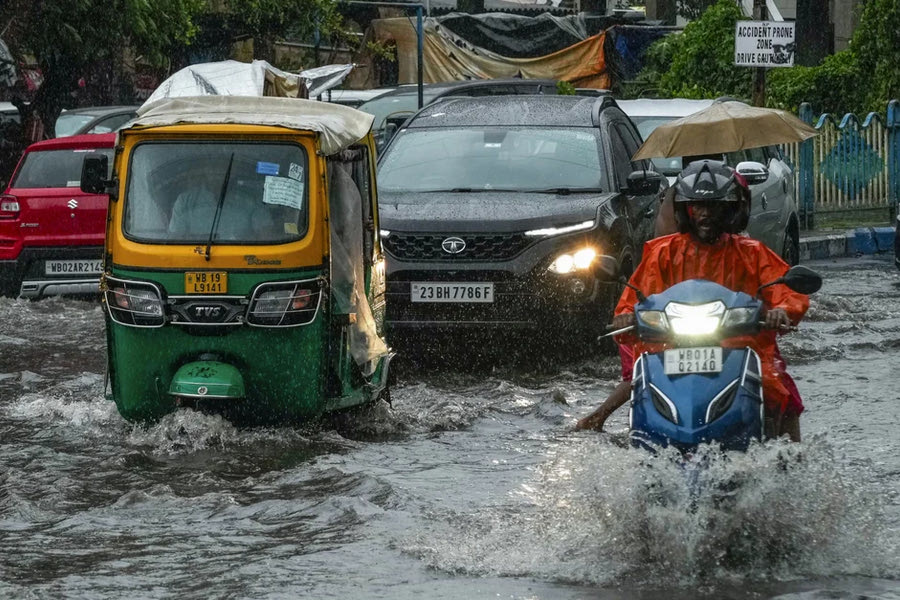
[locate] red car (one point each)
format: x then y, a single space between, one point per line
51 233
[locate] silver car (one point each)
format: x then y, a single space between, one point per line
774 217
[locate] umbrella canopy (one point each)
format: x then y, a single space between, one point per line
724 127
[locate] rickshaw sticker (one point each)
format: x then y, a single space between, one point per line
266 168
291 229
296 172
283 191
75 183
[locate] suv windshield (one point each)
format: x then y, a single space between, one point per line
55 168
175 190
493 158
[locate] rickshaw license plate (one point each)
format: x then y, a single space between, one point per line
205 282
451 291
683 361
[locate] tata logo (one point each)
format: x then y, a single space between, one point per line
453 245
73 203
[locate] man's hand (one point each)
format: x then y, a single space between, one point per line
623 320
776 318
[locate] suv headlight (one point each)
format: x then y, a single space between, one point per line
285 304
699 319
134 303
573 261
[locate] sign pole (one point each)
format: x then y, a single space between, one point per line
759 73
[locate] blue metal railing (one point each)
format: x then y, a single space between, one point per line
852 165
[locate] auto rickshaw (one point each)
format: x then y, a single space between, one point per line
243 271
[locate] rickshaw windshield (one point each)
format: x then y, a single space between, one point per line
232 193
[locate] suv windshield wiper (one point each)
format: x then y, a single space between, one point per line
468 190
565 191
215 223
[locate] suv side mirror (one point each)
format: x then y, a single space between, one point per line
753 171
641 183
93 175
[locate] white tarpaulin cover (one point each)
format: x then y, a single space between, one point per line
339 126
257 78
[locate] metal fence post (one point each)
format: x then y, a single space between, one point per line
807 187
893 158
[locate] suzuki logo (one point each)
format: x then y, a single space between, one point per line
453 245
73 203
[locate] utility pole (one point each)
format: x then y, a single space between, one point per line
759 73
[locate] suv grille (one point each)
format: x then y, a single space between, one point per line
478 246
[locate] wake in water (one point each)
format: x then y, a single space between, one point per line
603 514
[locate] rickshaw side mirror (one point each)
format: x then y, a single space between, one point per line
93 175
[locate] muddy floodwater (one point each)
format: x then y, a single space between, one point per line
472 485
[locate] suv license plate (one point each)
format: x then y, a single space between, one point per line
73 267
682 361
451 291
205 282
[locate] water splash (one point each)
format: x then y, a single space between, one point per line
601 514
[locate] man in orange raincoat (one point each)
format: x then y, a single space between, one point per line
707 202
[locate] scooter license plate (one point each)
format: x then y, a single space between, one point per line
683 361
205 282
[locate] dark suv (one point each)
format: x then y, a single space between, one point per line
494 212
394 107
51 233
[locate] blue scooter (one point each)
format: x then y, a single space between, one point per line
697 391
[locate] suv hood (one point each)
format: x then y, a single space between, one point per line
485 211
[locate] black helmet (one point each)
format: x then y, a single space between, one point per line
709 181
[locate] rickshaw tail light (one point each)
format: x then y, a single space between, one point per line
285 304
134 303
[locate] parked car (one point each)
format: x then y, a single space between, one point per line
51 233
774 216
494 212
94 119
394 107
353 98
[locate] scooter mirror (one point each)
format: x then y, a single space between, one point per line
802 279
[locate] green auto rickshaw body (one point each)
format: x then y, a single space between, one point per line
266 305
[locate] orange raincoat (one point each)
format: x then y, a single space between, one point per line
738 263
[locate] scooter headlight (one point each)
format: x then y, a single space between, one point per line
739 317
285 304
700 319
134 303
655 319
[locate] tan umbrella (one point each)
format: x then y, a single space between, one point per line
724 127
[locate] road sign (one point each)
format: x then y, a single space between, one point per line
764 44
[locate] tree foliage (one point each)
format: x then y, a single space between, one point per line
701 58
68 38
698 63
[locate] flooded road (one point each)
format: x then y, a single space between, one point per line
473 485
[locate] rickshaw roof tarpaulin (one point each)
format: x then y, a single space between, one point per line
450 57
339 126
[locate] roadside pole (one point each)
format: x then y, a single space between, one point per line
420 36
759 73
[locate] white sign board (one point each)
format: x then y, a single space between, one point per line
764 44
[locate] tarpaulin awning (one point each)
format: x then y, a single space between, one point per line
449 57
